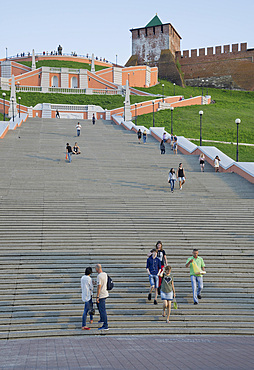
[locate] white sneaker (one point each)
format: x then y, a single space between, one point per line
181 187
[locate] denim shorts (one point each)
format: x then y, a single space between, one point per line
154 280
167 296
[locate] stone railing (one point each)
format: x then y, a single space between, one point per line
29 88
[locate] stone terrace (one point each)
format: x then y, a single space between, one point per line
110 205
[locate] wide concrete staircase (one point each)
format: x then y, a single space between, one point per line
110 205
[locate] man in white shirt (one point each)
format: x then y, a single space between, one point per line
87 296
78 127
102 294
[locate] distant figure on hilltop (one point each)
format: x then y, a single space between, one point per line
60 50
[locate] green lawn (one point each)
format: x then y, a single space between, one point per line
63 63
105 101
218 119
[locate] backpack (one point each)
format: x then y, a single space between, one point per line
110 284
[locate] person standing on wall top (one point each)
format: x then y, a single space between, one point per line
181 175
93 119
153 266
139 133
196 265
164 137
102 295
78 127
87 296
144 136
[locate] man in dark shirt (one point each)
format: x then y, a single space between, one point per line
153 266
69 151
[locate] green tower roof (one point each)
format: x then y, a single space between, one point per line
154 22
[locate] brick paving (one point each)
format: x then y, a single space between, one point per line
129 353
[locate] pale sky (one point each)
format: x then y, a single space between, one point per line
102 27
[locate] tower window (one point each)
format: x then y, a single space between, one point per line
154 30
161 28
138 33
146 31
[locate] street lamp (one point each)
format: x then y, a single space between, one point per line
174 89
171 108
124 110
19 105
200 114
203 88
136 113
237 121
206 87
4 95
153 112
116 59
12 101
163 93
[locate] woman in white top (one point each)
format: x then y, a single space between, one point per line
202 162
87 296
172 179
216 163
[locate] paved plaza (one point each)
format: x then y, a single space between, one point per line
129 353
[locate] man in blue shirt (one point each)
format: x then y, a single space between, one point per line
153 266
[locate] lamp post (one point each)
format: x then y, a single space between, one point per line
171 108
153 112
163 93
18 85
12 101
19 105
116 59
202 88
124 110
206 87
4 95
174 89
200 114
136 113
237 121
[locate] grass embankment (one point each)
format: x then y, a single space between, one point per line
218 119
105 101
62 64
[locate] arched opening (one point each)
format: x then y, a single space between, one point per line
54 81
74 82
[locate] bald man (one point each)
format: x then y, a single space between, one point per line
102 295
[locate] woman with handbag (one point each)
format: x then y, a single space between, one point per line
167 291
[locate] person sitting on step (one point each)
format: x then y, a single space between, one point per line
76 149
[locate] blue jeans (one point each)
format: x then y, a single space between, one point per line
144 139
103 313
78 132
69 157
154 280
196 280
88 307
172 184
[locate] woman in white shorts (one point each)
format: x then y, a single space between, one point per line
167 291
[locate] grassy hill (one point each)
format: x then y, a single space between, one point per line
105 101
63 64
218 119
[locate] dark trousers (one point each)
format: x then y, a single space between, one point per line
88 307
102 311
162 151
